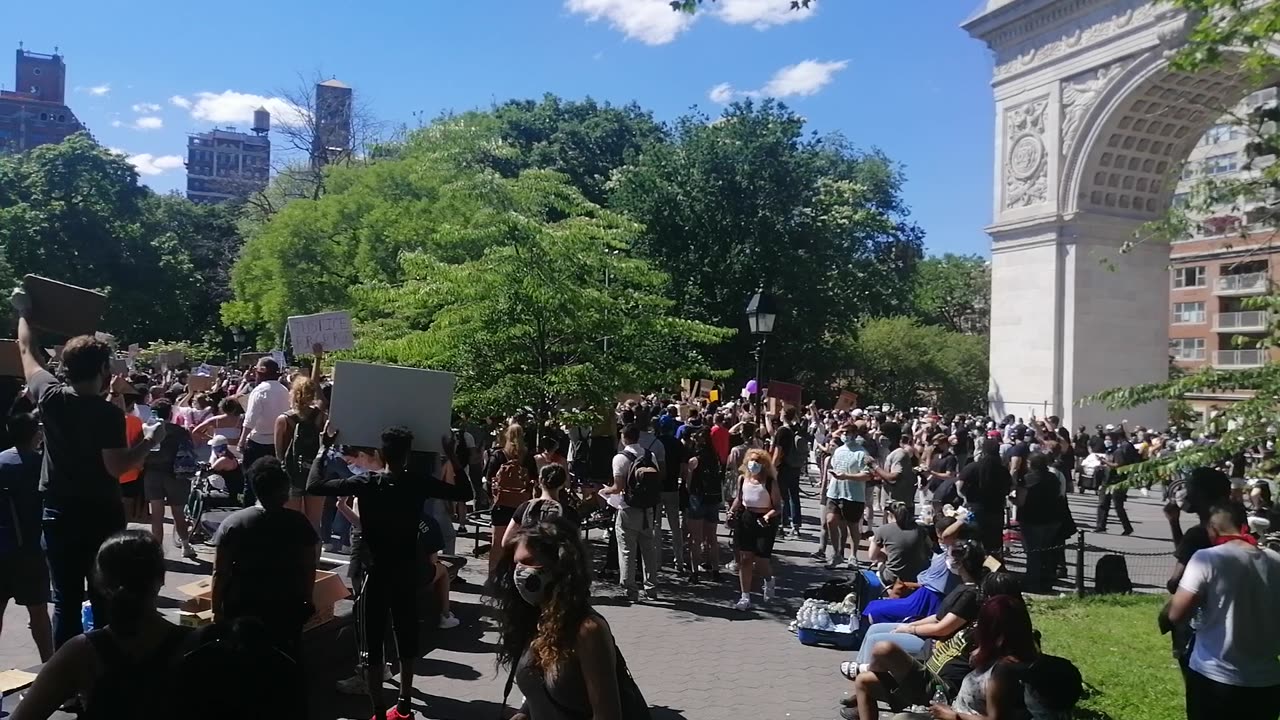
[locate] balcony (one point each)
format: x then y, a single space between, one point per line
1253 321
1246 284
1239 358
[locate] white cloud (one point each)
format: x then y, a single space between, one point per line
148 164
652 22
722 93
802 79
116 123
118 151
230 106
760 14
179 101
146 107
100 90
149 122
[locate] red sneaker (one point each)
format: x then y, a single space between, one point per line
395 714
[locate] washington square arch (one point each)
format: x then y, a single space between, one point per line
1092 128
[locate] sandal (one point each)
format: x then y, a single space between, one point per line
851 669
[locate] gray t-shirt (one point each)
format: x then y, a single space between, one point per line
899 461
908 550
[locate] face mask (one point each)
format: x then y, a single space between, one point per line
354 469
531 583
219 449
754 467
951 566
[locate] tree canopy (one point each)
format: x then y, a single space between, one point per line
954 291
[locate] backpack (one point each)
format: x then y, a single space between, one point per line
705 482
1052 684
1112 575
540 511
643 489
798 457
304 445
511 485
184 460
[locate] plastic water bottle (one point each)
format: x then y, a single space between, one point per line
939 695
86 615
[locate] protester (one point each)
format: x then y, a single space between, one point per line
903 546
1038 500
1110 491
24 576
132 490
550 503
166 479
559 651
913 600
790 451
986 484
1233 670
846 493
941 477
125 669
1004 641
296 439
391 502
674 456
267 401
635 472
898 473
85 453
510 471
755 515
228 423
703 478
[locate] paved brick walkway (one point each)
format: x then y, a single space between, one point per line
691 653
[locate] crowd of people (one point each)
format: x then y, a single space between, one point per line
914 504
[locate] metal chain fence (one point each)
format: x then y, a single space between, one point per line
1076 565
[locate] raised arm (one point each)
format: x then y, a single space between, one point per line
32 362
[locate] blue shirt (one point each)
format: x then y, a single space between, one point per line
848 462
937 577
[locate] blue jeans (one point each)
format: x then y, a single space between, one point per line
72 536
789 484
915 646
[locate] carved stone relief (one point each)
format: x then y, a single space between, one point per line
1082 33
1080 94
1026 166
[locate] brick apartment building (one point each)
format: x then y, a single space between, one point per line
34 112
1230 256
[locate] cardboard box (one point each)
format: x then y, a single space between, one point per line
195 619
62 309
11 681
368 399
197 609
847 401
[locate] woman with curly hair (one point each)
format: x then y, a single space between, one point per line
755 515
559 651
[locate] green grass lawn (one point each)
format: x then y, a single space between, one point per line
1127 668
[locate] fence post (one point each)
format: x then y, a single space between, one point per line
1080 563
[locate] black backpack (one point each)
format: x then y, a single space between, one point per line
643 489
1111 575
1052 682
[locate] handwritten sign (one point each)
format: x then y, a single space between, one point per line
332 330
786 393
847 401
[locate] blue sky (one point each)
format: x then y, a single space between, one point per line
900 75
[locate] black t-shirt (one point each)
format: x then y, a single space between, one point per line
77 428
674 454
566 512
19 500
264 548
784 438
964 602
1042 499
943 490
704 482
989 492
1022 450
892 432
1196 538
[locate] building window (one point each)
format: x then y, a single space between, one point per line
1220 164
1220 133
1187 348
1188 313
1189 277
1189 171
1181 200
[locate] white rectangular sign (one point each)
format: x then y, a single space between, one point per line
368 399
331 329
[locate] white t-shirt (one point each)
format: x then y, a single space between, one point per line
622 464
1239 634
268 401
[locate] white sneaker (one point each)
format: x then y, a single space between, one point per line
177 541
770 589
732 567
448 621
744 603
188 552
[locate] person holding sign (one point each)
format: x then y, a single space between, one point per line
85 453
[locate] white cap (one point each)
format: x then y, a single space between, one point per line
1109 427
858 412
219 440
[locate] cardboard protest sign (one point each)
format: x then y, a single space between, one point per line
171 360
10 359
705 387
686 411
847 400
686 388
248 360
368 399
332 330
119 366
199 383
786 393
63 309
714 396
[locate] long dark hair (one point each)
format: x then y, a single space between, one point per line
1003 630
993 477
129 570
550 629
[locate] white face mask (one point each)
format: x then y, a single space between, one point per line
951 566
754 467
531 583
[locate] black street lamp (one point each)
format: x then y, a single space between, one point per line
238 337
761 313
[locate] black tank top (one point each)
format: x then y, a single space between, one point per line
133 687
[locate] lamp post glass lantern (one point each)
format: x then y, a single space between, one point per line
761 313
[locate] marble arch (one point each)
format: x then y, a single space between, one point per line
1092 129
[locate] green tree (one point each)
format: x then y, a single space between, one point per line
1239 35
75 212
903 362
547 309
954 291
750 201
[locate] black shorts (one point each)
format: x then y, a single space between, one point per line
24 577
750 536
850 510
500 516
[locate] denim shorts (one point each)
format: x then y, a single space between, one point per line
704 510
